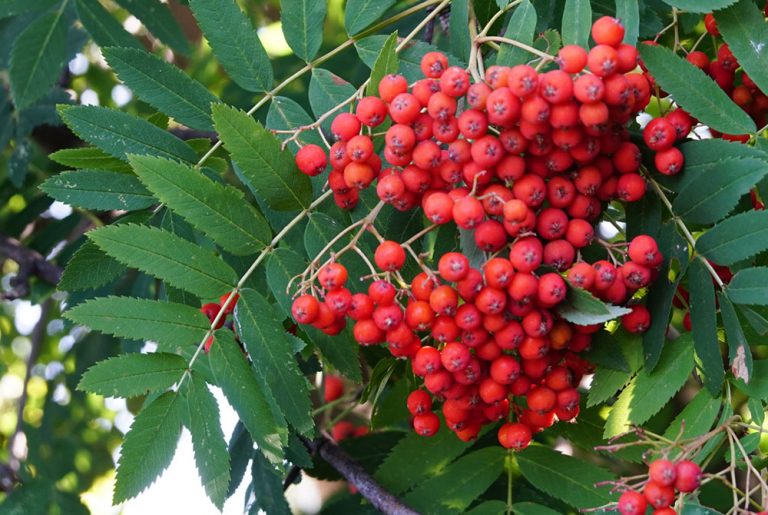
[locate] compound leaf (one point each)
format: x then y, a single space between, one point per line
129 375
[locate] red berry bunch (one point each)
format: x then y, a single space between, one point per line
525 161
212 309
665 480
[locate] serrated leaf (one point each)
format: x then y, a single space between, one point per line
98 189
758 319
750 286
628 11
89 267
129 375
565 477
102 26
237 381
270 172
704 325
695 91
410 57
179 262
696 418
712 195
210 449
267 488
414 459
605 384
650 391
459 484
529 508
142 319
121 134
240 449
602 349
757 387
303 26
270 350
386 63
577 22
326 91
37 56
163 86
699 6
358 14
285 114
217 210
148 446
488 508
582 308
744 30
88 157
739 353
522 28
235 43
736 238
160 22
458 29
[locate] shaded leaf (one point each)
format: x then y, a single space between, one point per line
326 91
577 22
743 28
529 508
102 26
303 26
736 238
240 449
386 63
88 157
410 57
628 12
286 114
521 27
749 286
582 308
90 267
129 375
160 22
458 29
739 354
704 325
99 189
699 6
695 419
358 14
267 488
757 387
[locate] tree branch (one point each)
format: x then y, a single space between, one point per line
31 263
356 476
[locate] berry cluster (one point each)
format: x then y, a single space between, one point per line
527 166
212 309
665 480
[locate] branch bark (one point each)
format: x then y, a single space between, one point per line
355 475
31 263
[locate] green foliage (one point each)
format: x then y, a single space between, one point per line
410 58
704 325
101 190
736 238
577 22
130 375
582 308
743 28
628 11
359 14
460 43
750 286
303 26
158 19
102 26
326 91
699 6
694 91
521 27
89 268
386 63
739 354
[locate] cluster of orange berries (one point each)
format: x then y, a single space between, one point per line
665 480
526 166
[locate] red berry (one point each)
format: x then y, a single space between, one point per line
658 496
632 503
433 64
311 160
345 126
305 309
572 58
419 402
638 321
514 436
389 256
426 424
688 476
333 388
608 31
392 85
662 472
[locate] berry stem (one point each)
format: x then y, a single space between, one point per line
518 44
508 463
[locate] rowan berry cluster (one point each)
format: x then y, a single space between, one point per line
665 480
211 311
525 161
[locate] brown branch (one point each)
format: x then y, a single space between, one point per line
31 263
356 476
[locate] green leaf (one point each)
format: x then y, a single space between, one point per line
628 12
208 444
89 268
358 14
577 22
736 238
750 286
102 26
712 195
695 91
704 325
414 459
160 22
37 56
739 354
326 91
459 484
758 319
129 375
286 114
650 391
303 26
529 508
239 384
142 319
240 451
267 489
270 350
13 7
696 418
582 308
163 86
564 477
757 387
235 43
488 508
410 57
522 28
120 134
606 383
179 262
386 63
458 29
699 6
270 172
98 189
148 446
743 27
602 349
217 210
88 157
